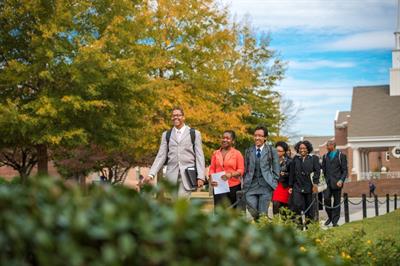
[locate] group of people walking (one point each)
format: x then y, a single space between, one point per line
265 173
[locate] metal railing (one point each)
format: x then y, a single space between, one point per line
243 204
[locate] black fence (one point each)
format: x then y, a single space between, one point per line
242 204
364 202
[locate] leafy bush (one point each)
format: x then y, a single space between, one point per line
14 180
50 222
355 246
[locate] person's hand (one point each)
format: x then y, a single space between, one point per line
137 186
214 183
281 173
290 190
146 180
339 183
315 188
225 177
200 183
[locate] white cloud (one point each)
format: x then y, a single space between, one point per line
318 26
338 15
293 88
319 102
362 41
315 64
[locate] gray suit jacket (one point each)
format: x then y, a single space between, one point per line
270 174
180 157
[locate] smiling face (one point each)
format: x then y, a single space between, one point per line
259 137
227 140
178 119
303 150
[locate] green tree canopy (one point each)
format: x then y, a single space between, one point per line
107 73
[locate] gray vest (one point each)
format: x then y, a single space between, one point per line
258 179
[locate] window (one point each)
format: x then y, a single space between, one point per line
387 156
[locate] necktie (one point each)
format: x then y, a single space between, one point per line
258 153
178 135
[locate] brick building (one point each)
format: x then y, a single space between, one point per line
369 134
318 143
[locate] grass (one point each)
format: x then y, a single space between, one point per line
374 228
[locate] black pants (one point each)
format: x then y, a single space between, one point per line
333 214
372 192
277 205
320 201
227 198
300 202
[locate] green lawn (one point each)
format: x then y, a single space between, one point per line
374 228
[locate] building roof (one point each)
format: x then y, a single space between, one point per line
317 141
342 119
374 112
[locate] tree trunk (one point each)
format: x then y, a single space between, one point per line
82 183
42 157
23 175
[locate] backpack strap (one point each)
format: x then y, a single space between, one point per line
167 138
193 138
247 158
340 161
270 160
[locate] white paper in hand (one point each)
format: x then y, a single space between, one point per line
223 186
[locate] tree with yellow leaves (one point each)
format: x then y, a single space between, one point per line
219 71
106 73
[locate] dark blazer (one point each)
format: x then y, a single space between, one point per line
300 173
270 172
334 169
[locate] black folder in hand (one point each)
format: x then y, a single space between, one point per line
191 175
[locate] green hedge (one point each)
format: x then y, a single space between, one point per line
49 222
373 241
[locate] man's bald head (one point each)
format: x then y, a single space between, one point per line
330 145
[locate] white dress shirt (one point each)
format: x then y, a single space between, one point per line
261 148
179 132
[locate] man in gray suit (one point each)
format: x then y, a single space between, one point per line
260 178
180 154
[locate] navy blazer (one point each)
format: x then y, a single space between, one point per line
269 166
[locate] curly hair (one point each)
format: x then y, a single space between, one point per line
306 143
282 144
232 133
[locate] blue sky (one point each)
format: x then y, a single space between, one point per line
330 47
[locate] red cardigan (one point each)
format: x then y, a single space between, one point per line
234 162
